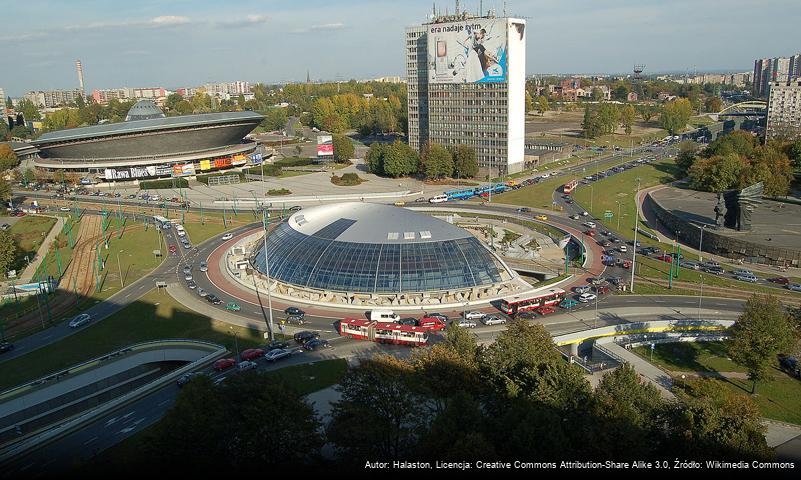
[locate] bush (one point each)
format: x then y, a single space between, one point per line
165 183
294 162
269 170
279 191
346 180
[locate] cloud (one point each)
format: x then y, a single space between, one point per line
169 20
323 27
246 21
155 22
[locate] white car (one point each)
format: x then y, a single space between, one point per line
587 297
796 287
228 236
584 214
204 267
247 365
474 315
465 323
747 278
438 199
493 320
546 175
589 224
575 216
622 248
277 354
80 320
188 277
65 209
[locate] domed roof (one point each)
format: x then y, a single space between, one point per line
144 110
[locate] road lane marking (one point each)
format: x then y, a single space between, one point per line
90 441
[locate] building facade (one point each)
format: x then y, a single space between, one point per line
770 70
53 98
466 86
784 110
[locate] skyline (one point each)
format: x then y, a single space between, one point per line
200 43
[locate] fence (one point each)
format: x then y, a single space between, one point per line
217 180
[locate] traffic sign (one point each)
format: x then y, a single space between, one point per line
608 215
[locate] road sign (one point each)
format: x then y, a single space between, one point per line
608 215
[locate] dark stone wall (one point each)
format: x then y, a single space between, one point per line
723 245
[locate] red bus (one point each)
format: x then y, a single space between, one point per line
520 303
570 186
383 332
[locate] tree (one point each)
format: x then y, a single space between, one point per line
713 104
597 94
762 331
28 109
375 159
173 100
688 149
437 162
627 114
542 104
718 173
29 175
794 153
675 115
5 190
275 118
8 159
8 251
738 142
343 148
378 415
647 112
399 159
464 162
183 107
529 102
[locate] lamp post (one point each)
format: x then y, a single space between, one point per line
119 267
618 215
636 221
700 296
266 215
701 244
236 342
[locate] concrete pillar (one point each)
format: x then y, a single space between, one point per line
574 349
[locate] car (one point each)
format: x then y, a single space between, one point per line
473 315
587 297
440 316
6 347
399 203
223 363
569 201
232 307
780 280
191 284
432 323
316 344
186 378
294 311
523 210
187 269
188 277
204 267
297 319
305 336
743 272
589 224
602 290
251 353
526 314
211 298
614 239
493 320
715 270
606 244
582 289
465 323
541 217
5 227
688 264
545 310
790 365
584 214
80 320
64 209
606 233
277 354
622 249
614 280
202 292
247 365
575 216
710 263
795 287
187 245
228 236
747 278
407 321
589 233
568 303
275 344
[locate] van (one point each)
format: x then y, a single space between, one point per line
438 199
384 316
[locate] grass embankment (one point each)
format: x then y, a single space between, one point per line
154 316
28 234
778 398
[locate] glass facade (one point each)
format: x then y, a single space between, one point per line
317 261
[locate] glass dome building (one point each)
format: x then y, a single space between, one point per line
372 248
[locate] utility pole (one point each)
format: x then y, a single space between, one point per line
266 218
636 223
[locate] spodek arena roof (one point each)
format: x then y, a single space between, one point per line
372 248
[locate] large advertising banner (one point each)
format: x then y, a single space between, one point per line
325 146
469 51
183 169
162 170
222 162
205 164
129 173
239 160
256 158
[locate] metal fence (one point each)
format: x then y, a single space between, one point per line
223 180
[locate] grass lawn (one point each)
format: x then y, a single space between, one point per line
131 256
28 233
691 357
154 316
538 196
779 398
311 377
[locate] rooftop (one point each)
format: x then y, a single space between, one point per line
360 222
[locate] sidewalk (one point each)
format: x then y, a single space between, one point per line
30 270
656 376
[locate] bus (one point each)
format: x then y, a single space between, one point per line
161 221
383 332
570 186
460 194
519 303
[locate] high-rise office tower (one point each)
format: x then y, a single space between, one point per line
466 86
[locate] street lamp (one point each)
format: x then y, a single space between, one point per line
636 221
700 296
236 342
618 215
701 244
122 281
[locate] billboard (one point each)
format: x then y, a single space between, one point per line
205 164
183 169
469 51
256 158
163 170
222 162
129 173
239 160
325 146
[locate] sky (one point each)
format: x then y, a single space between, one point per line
154 43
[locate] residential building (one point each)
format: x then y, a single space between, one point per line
475 97
784 110
152 93
3 100
53 98
769 70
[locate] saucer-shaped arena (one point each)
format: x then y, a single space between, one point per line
372 248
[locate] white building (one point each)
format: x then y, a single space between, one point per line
784 110
472 91
53 98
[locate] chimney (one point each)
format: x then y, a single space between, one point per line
79 68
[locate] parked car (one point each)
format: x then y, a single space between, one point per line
277 354
545 310
602 290
742 272
80 320
188 277
251 353
587 297
191 284
715 270
568 303
613 280
465 323
316 344
204 267
527 314
5 227
247 365
223 364
790 365
493 320
275 344
780 280
212 298
305 336
202 292
582 289
688 264
747 278
474 315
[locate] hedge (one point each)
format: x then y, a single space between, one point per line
166 183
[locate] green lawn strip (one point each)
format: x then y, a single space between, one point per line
777 399
28 233
539 195
154 316
691 357
132 256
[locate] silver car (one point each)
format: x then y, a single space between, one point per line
796 287
277 354
80 320
204 267
474 315
493 320
202 292
465 323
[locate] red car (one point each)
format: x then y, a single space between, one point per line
172 248
223 363
665 257
545 310
780 280
432 323
601 290
590 233
252 354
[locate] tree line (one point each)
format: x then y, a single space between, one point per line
737 160
435 161
516 398
606 118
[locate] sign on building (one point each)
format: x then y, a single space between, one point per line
469 51
325 146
